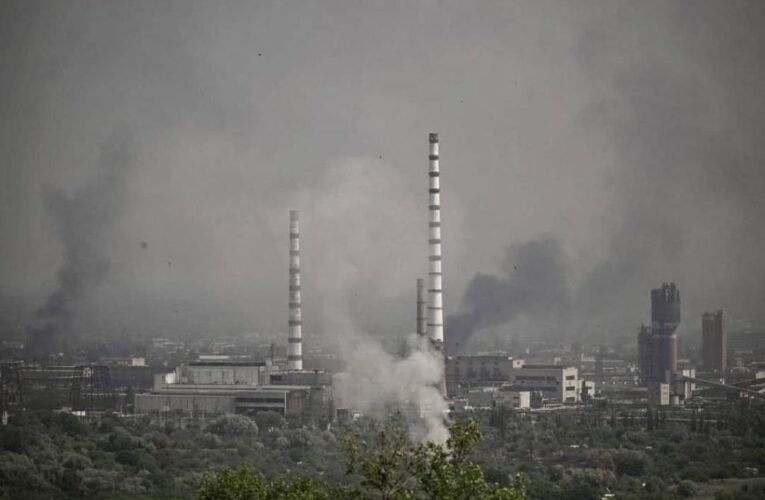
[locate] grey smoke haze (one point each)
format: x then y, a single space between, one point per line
629 131
533 281
356 232
82 220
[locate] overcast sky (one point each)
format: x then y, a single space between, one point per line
628 133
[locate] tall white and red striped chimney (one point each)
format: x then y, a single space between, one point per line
295 350
435 326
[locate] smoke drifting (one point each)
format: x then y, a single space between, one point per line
375 381
533 281
686 129
82 220
680 107
358 239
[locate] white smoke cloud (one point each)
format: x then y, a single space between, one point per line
374 380
364 242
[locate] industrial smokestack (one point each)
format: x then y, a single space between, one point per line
435 327
422 320
295 351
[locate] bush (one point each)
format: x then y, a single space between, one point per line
630 463
233 425
686 489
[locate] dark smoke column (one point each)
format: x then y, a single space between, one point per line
657 345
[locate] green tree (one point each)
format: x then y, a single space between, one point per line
395 468
232 424
246 484
389 466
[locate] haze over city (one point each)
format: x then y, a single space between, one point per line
504 250
622 136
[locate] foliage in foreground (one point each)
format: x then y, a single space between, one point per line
390 467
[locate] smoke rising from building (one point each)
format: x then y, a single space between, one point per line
533 280
359 245
81 220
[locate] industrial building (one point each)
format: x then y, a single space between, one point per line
517 400
225 372
657 344
552 383
556 384
295 403
472 371
206 388
714 342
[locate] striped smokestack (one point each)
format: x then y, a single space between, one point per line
422 320
295 351
435 290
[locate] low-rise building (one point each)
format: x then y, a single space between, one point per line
557 384
223 372
295 403
518 400
483 370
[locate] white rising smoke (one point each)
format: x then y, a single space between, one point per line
375 381
362 244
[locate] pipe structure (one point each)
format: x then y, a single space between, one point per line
435 325
421 308
295 351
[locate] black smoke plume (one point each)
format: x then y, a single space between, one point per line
533 280
82 220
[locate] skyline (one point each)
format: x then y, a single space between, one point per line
621 137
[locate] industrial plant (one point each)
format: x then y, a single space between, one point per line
532 379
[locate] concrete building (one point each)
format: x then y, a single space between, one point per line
481 398
313 378
216 386
293 402
489 397
469 371
657 344
517 400
559 384
714 342
658 395
122 361
223 372
555 383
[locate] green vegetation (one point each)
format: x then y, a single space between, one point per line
638 454
390 466
634 454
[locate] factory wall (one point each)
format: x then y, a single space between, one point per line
478 370
221 373
192 404
556 383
